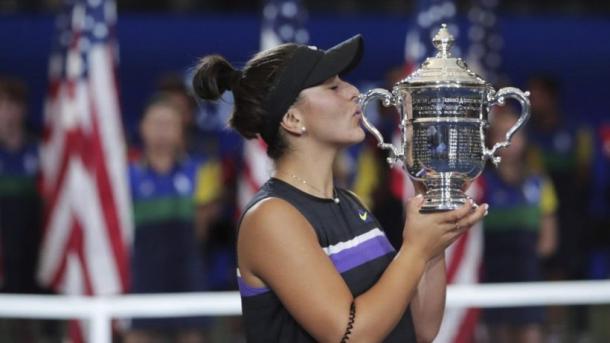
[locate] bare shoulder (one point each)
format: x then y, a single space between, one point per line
269 230
271 216
279 249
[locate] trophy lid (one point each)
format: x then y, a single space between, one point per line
443 68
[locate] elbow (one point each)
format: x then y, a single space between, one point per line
334 332
339 330
426 339
426 336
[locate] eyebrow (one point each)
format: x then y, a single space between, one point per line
331 80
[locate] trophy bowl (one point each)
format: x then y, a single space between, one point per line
443 108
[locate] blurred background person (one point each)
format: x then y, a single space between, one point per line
168 187
20 205
200 146
196 143
561 146
519 231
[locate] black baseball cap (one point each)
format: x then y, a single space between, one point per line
308 67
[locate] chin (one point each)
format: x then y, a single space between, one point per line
357 136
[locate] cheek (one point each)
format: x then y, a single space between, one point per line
162 132
518 143
10 114
152 134
171 132
516 147
324 108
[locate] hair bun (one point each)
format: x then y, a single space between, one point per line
214 76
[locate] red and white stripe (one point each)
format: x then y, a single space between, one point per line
88 224
256 170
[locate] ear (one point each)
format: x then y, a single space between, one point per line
293 122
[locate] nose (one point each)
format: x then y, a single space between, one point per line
352 92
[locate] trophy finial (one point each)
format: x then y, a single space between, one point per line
443 41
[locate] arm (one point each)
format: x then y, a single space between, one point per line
207 197
547 240
428 303
204 217
288 259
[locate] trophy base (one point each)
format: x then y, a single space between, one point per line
443 195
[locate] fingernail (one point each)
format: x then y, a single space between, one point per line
486 206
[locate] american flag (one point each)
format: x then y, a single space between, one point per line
283 22
465 255
88 225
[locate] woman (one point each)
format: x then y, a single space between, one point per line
313 264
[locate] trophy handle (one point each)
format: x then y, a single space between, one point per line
497 98
387 99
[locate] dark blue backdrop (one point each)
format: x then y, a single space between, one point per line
574 49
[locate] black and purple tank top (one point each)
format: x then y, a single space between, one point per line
354 242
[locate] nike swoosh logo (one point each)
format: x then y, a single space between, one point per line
363 215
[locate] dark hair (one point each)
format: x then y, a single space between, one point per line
173 83
160 99
250 87
548 82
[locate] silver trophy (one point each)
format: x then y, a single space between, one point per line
443 109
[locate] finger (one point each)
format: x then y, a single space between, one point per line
474 217
459 213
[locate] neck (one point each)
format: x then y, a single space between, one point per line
161 162
309 171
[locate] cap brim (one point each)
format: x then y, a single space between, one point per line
338 60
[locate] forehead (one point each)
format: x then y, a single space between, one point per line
162 110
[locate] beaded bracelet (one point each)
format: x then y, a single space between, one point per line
350 323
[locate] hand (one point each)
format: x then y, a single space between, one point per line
431 233
419 186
